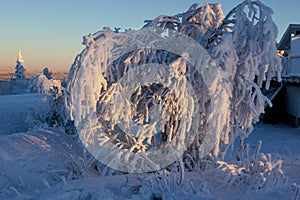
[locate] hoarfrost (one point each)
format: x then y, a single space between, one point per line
119 86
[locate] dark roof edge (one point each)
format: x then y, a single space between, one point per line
287 35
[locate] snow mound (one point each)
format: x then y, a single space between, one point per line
37 160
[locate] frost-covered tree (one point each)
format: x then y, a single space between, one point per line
20 70
110 89
50 114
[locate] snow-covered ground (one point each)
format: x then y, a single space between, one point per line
50 164
14 110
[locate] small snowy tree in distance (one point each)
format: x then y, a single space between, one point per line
47 73
20 70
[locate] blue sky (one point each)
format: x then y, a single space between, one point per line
49 32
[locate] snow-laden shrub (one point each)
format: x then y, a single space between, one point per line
52 112
295 191
165 186
170 184
39 83
76 167
249 174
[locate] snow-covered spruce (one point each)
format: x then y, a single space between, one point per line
20 70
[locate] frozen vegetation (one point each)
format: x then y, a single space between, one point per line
20 70
172 106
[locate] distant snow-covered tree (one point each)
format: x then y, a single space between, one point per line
47 73
20 70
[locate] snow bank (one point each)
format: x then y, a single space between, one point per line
15 109
37 160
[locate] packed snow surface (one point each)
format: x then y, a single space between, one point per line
50 164
14 111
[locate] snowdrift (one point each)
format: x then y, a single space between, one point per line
15 110
37 160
